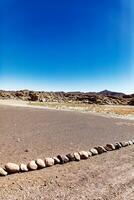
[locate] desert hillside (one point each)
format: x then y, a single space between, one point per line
101 98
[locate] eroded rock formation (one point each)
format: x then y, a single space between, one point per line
101 98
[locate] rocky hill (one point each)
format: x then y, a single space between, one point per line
104 97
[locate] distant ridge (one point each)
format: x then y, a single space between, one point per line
104 97
111 93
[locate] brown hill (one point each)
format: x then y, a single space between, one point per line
104 97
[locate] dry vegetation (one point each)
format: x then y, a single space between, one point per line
106 109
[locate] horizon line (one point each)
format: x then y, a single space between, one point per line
69 91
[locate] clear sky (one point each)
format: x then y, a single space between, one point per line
68 45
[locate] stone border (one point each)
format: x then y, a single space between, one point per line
11 168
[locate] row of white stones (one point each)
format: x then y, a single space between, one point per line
11 168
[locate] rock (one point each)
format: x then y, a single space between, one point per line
89 153
23 168
26 150
18 140
40 163
103 97
33 96
63 159
56 160
110 147
32 165
83 154
127 143
130 142
100 149
49 162
71 157
124 144
94 151
77 156
131 102
3 172
117 145
12 168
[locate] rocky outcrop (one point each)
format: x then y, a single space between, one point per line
101 98
131 102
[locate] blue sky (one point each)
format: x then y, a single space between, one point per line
73 45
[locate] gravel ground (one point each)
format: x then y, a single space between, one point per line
109 176
30 133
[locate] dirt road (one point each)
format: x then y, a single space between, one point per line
30 133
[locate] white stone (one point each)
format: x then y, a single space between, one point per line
32 165
77 156
3 172
49 162
23 168
40 163
89 153
12 168
130 142
83 154
94 151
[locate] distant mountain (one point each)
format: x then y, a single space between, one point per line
110 93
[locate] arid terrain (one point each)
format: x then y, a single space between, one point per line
29 133
100 98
